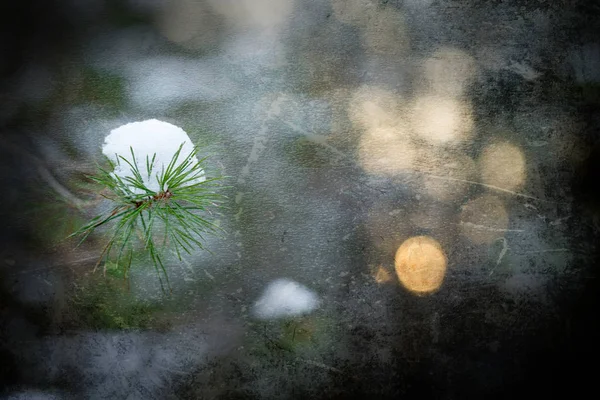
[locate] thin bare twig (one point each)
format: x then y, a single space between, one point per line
320 365
501 255
488 228
448 178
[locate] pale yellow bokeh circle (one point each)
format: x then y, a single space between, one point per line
254 13
421 264
448 71
386 151
373 107
381 275
442 120
187 22
503 165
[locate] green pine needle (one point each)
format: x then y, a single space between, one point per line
177 211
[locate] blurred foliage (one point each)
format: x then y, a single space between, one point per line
298 333
55 220
103 304
304 335
102 88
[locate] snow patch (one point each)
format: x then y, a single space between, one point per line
147 138
285 298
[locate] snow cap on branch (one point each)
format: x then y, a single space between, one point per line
147 139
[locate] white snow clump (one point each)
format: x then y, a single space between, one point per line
285 298
147 138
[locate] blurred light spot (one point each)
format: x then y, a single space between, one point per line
445 174
355 12
373 107
448 71
421 264
381 275
442 120
483 219
386 33
254 13
503 165
190 23
386 151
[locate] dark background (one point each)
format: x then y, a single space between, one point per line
70 72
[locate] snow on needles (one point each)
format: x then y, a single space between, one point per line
285 298
147 138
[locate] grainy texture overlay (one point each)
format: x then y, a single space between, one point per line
413 202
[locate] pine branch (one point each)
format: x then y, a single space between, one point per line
177 210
